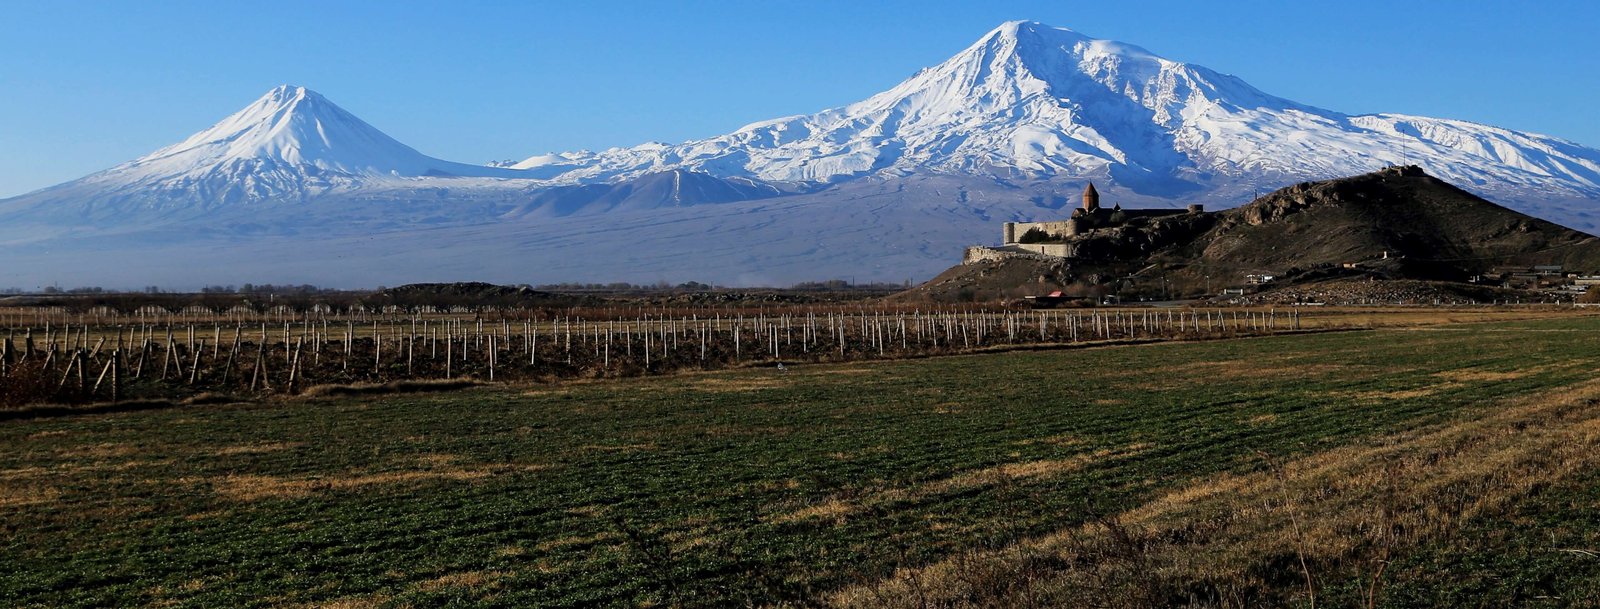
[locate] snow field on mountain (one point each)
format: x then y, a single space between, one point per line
889 187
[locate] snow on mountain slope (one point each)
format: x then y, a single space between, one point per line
288 146
1030 101
294 129
884 189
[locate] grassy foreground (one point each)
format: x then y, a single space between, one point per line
1452 465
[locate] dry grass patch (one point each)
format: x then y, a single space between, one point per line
1025 470
578 540
365 601
419 386
728 385
837 508
464 579
1280 368
438 460
548 392
734 431
640 447
99 451
198 516
788 483
838 371
1061 440
59 470
32 471
1472 375
26 495
248 487
1235 539
1399 394
830 509
1485 376
590 511
256 449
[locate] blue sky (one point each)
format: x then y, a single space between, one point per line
87 85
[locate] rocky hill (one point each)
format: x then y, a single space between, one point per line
1394 224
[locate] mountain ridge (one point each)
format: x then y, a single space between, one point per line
1006 130
1029 101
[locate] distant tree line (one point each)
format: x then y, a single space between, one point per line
248 288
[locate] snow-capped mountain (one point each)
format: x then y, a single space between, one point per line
1030 101
290 146
890 187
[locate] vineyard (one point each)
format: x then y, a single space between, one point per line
104 358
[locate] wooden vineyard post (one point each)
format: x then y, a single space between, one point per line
294 365
116 376
258 376
227 369
194 367
5 356
166 359
102 378
67 374
144 349
349 337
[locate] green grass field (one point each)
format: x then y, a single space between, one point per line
838 483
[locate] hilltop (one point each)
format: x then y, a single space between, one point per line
1395 224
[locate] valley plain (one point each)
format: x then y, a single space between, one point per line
1437 465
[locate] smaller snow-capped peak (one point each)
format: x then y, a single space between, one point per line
290 145
294 126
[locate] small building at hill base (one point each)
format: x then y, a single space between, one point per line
1055 237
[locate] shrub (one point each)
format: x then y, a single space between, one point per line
27 384
1035 235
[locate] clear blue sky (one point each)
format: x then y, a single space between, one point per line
87 85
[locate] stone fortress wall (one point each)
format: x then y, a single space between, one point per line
1059 235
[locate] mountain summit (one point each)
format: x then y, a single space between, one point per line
291 145
294 130
1010 128
1034 102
